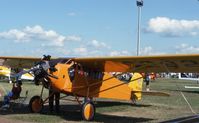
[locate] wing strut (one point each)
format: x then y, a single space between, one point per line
167 69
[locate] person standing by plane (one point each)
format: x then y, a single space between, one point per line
54 96
40 73
147 80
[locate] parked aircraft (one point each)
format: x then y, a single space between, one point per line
90 77
188 76
6 74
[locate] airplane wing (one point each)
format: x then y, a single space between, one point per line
25 62
18 62
164 63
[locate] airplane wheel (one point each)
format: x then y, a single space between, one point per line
88 111
36 104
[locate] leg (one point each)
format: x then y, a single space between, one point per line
57 98
7 97
51 99
147 85
6 100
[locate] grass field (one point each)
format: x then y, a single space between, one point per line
149 109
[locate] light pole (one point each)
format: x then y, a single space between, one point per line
139 5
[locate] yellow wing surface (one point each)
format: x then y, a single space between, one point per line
165 63
4 71
18 62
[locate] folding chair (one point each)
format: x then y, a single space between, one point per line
18 102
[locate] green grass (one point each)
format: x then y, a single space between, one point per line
38 118
149 109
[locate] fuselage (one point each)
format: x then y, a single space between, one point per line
73 80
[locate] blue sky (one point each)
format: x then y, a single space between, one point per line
97 27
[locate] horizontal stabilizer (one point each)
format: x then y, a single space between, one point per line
153 93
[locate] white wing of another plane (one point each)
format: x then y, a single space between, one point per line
6 72
186 76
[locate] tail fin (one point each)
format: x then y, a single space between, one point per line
135 84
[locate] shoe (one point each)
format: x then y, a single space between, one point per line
5 106
147 89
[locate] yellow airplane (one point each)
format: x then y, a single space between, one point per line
5 72
90 77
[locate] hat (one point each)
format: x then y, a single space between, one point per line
46 57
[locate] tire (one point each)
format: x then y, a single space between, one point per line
88 111
36 104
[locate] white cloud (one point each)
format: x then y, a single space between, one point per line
37 33
186 48
82 51
193 33
119 53
148 50
92 48
97 44
173 27
71 14
15 35
34 30
73 38
37 52
97 48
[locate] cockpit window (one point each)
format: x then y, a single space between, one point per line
96 75
71 73
125 77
